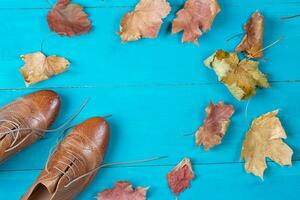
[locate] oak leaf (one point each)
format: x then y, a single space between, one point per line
69 19
39 67
252 42
179 178
264 139
240 77
123 191
195 18
215 125
145 21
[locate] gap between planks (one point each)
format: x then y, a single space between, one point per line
134 85
152 165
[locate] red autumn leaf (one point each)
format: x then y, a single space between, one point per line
195 18
253 40
69 19
215 125
123 191
179 178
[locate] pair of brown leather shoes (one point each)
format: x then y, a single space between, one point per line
75 161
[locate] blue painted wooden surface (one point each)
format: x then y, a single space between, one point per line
156 91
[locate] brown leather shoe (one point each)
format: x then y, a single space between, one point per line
74 163
29 113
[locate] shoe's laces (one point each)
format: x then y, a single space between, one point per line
12 125
15 124
70 160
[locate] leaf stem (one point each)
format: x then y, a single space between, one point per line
289 17
270 45
234 36
48 2
246 110
45 38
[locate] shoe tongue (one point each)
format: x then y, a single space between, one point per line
51 184
55 181
42 189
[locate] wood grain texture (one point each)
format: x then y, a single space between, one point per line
157 91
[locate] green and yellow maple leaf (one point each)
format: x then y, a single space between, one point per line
241 77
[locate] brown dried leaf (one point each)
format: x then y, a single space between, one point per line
39 67
195 18
123 191
145 21
240 77
179 178
264 139
252 42
69 19
215 125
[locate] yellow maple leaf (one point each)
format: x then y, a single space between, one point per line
145 21
39 67
240 77
263 140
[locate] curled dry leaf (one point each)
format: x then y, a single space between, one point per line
240 77
69 19
215 125
195 18
39 67
123 191
253 40
145 21
180 177
264 139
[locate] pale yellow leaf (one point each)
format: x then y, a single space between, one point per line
39 67
264 140
145 21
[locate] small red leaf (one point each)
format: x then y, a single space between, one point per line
123 191
215 125
179 178
69 19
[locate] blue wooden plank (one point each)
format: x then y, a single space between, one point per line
99 58
213 182
156 90
144 117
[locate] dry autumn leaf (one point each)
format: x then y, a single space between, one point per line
253 40
180 177
145 21
39 67
263 140
195 18
123 191
69 19
240 77
215 125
